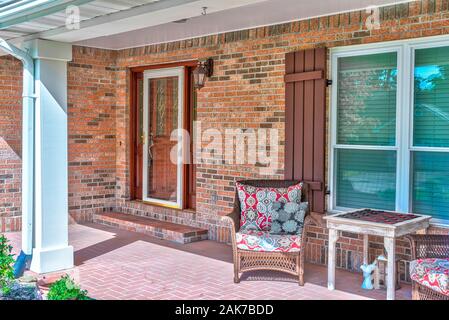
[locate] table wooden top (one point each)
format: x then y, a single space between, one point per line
379 216
378 222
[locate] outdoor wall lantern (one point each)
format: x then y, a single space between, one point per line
203 70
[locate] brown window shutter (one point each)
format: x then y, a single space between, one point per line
305 103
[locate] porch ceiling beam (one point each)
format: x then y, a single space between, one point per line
39 11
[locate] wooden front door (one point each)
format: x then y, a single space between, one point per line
162 100
162 118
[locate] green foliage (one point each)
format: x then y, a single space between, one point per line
66 289
6 265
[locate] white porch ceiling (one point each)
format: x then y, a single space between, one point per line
258 14
100 17
37 26
118 24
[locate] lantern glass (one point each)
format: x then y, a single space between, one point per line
199 76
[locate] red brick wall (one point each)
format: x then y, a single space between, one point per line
91 127
10 186
10 102
246 91
10 143
248 78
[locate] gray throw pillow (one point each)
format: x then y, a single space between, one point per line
288 217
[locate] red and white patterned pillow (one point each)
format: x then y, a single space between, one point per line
256 204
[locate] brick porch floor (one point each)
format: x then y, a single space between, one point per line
116 264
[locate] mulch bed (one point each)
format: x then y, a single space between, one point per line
22 291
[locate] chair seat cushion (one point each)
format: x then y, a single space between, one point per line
255 240
256 204
432 273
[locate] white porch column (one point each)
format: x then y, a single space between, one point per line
51 250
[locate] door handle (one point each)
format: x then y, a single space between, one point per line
150 145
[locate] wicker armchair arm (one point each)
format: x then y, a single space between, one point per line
233 218
308 220
429 246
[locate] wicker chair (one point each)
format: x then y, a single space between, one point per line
247 260
428 246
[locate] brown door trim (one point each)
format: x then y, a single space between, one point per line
132 133
189 169
188 177
133 128
189 63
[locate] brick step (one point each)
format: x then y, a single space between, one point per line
160 229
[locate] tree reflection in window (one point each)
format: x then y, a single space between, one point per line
431 98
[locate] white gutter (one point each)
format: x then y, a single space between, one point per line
28 95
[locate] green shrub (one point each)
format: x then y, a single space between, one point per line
66 289
6 265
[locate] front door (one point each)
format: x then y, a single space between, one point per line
162 150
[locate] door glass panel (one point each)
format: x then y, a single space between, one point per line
162 113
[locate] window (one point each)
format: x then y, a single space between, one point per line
430 155
390 128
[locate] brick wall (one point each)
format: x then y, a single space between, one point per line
246 91
11 102
91 127
10 143
10 186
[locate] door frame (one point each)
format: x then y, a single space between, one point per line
134 74
156 74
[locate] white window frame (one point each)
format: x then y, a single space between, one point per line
155 74
404 116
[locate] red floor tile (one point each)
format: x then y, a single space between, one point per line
116 264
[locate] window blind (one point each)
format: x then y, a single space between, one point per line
431 184
366 179
430 169
431 97
366 99
366 116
